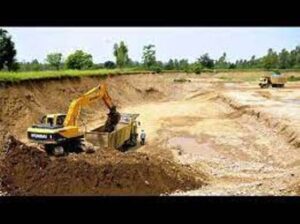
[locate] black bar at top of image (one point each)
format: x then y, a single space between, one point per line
124 13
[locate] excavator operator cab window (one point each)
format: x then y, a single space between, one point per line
60 120
50 121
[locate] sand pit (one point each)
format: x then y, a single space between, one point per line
204 137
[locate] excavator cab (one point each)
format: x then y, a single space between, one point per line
52 121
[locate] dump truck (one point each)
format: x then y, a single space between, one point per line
60 133
272 80
124 136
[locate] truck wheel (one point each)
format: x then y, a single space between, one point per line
277 85
264 86
123 148
133 140
88 147
58 150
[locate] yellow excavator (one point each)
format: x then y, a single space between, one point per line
60 133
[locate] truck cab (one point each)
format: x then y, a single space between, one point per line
264 82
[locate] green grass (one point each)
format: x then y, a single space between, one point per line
20 76
225 78
294 79
249 75
240 76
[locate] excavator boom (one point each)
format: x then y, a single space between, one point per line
93 95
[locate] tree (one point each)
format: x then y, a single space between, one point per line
170 65
232 66
109 64
197 67
252 62
283 59
294 58
221 62
205 61
35 65
184 64
176 64
121 54
55 60
7 51
132 64
79 60
160 64
149 58
270 60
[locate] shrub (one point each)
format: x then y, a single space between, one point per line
156 69
79 60
109 65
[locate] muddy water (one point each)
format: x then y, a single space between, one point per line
192 146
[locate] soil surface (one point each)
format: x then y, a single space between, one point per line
204 137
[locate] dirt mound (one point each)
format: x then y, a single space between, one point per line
26 170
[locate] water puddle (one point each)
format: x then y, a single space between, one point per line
191 146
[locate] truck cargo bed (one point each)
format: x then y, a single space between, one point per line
113 139
125 128
278 79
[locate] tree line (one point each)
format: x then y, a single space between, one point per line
82 60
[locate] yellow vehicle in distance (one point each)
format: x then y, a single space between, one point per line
274 80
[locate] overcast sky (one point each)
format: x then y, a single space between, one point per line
178 42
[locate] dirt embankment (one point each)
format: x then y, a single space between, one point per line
27 171
282 128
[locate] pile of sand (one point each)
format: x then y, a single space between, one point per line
26 170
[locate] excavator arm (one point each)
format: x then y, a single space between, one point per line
99 92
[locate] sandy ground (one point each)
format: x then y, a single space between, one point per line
241 154
243 138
